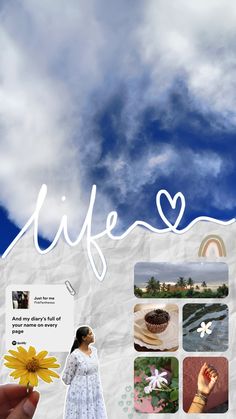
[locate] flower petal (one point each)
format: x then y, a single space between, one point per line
33 379
202 334
43 374
208 324
24 380
199 329
164 380
31 351
209 332
45 366
12 365
160 381
52 373
17 355
163 373
13 361
18 373
47 361
41 355
203 325
22 350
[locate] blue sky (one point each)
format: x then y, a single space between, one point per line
133 97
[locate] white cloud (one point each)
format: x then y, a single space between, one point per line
196 170
36 143
192 41
61 64
208 164
159 159
131 174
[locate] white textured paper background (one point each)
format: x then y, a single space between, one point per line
108 306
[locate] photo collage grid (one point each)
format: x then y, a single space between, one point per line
181 306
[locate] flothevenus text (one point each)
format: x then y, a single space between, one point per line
92 240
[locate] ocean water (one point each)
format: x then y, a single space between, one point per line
193 316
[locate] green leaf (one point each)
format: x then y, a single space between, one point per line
155 401
164 395
174 367
174 382
174 395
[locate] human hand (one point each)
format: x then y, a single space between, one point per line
207 378
16 403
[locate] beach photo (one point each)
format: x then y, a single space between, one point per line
156 327
181 280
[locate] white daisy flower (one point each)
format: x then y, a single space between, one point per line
204 329
157 380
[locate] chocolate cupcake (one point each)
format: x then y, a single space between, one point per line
157 320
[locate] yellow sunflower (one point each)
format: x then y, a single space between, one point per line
28 366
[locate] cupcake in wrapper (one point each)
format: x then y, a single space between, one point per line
157 320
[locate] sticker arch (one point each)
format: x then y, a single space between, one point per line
212 245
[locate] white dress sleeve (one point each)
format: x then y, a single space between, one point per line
70 369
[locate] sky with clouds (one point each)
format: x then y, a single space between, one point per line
213 273
132 96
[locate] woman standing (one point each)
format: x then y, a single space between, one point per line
84 398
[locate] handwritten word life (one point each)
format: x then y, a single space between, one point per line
111 221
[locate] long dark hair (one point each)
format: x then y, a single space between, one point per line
80 334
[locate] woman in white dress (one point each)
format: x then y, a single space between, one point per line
84 397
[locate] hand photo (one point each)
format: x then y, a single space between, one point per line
205 385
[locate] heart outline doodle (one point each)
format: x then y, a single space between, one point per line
92 246
172 202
